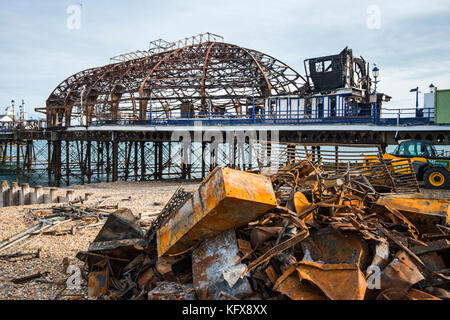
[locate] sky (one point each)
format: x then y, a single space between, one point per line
39 46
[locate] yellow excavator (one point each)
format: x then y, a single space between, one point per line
429 166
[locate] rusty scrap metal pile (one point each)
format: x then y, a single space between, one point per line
299 233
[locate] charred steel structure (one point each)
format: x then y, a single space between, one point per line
338 71
118 121
208 76
329 74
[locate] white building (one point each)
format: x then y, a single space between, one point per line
8 116
429 102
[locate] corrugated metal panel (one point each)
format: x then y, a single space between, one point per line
442 115
227 198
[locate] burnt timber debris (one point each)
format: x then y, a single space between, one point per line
49 218
303 232
330 73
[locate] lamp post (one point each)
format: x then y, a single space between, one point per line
150 116
13 113
82 113
416 90
429 108
375 73
22 111
253 102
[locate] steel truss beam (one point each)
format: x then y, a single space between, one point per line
206 75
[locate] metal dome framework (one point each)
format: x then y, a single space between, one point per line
209 78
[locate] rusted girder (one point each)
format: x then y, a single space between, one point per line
216 74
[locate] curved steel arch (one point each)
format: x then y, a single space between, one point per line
223 75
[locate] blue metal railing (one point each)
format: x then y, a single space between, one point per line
383 116
6 126
290 115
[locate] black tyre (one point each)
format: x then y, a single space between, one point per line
436 178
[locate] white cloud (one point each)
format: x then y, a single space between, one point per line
38 51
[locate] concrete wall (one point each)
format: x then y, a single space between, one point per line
15 195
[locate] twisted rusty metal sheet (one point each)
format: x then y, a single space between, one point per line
227 198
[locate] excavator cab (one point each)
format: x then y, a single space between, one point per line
428 166
415 148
